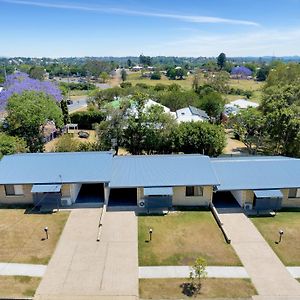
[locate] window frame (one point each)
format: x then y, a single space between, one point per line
194 191
12 190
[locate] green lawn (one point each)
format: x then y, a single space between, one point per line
249 85
289 249
211 288
135 78
180 237
21 235
18 286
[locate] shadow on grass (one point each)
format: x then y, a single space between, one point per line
189 289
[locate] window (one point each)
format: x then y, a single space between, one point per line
13 190
193 191
292 193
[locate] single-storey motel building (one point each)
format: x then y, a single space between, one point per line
65 179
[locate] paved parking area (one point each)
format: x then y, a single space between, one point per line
82 268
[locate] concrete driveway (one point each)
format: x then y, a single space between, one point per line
268 274
82 268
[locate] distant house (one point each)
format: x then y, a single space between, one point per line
235 106
148 103
191 113
136 68
1 89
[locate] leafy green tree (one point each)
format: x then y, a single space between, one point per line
135 131
111 131
249 126
158 129
213 104
27 115
171 73
65 111
129 63
155 75
37 72
123 75
10 144
262 73
67 143
221 61
218 81
104 77
199 137
145 60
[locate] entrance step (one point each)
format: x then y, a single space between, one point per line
87 205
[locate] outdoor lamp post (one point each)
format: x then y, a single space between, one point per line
47 234
280 235
150 234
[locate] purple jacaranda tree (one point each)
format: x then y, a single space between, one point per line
19 82
243 71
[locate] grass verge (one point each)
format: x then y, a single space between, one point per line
211 288
289 248
180 237
22 235
18 286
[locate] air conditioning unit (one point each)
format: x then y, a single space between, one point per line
248 206
142 203
66 202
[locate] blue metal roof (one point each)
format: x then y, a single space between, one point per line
257 172
156 191
66 167
268 194
161 171
46 188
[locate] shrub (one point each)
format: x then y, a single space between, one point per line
86 119
155 76
125 85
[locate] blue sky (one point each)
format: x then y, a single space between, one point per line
153 27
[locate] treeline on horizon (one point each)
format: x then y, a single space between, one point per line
155 60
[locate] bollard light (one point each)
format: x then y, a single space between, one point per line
280 235
150 234
47 233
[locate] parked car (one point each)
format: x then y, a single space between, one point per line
83 134
69 102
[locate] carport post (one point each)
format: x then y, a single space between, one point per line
106 193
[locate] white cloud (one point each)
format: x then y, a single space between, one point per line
183 18
259 43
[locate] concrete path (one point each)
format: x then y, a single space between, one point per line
12 269
16 269
184 272
82 268
266 271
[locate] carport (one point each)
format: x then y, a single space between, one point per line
224 199
91 193
123 196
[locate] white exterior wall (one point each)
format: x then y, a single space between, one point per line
180 199
243 196
74 191
238 195
140 194
290 202
26 198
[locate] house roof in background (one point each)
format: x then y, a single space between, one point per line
257 173
69 167
162 171
242 103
